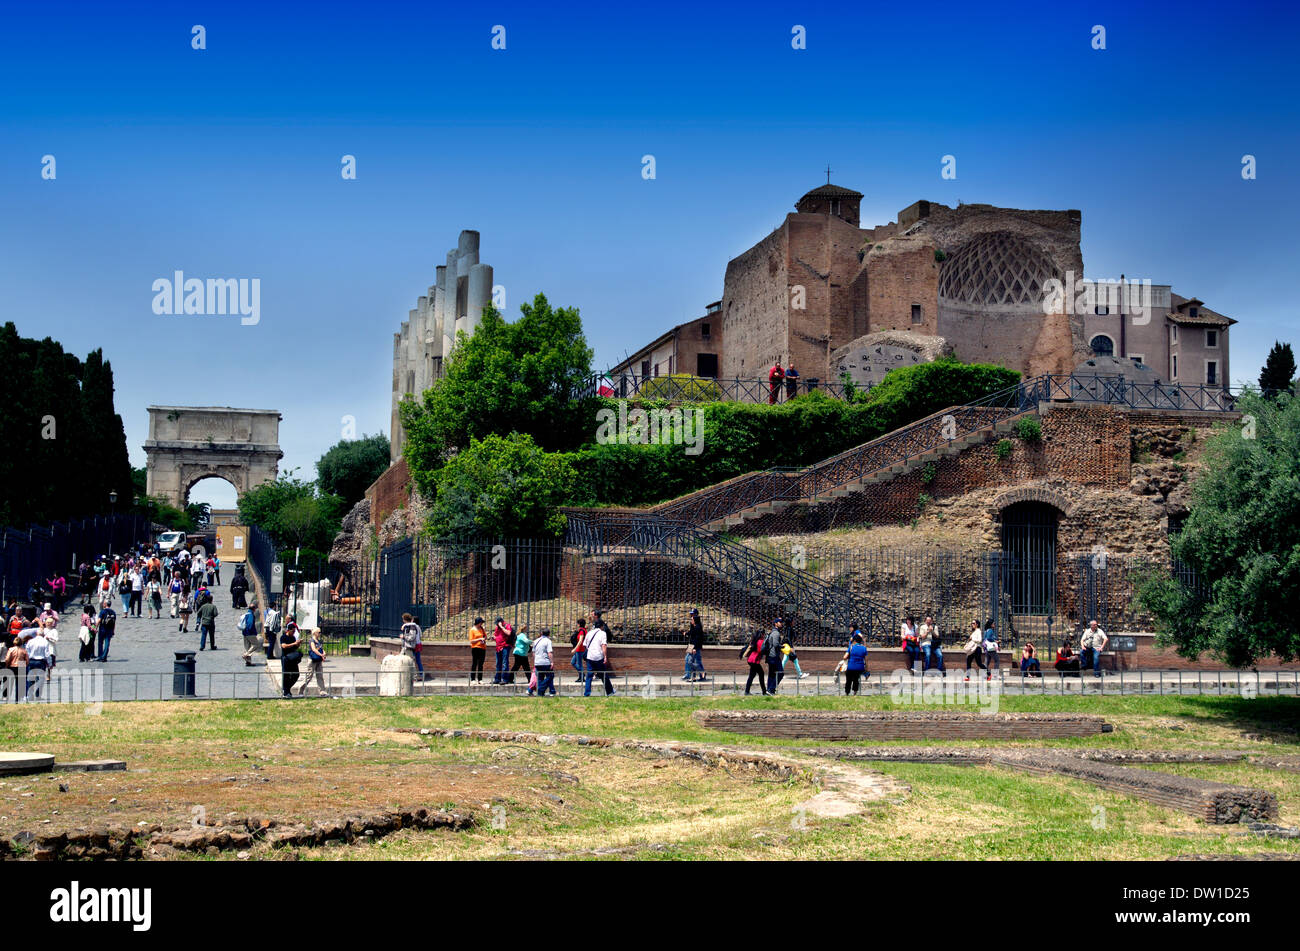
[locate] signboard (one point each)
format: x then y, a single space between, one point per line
220 543
1124 643
277 578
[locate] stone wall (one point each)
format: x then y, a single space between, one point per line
882 726
391 491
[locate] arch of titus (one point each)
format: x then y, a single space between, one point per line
189 443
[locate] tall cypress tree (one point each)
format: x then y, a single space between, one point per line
1279 369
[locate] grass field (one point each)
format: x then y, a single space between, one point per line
306 760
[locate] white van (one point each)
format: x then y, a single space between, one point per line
171 541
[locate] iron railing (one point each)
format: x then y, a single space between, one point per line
701 389
1117 391
39 553
826 611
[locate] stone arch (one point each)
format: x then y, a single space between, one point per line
189 443
1032 494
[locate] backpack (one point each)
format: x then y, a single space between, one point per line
273 621
248 625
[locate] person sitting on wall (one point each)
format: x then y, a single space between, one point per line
1067 661
1029 666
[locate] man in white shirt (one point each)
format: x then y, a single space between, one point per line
38 658
544 663
597 642
1093 642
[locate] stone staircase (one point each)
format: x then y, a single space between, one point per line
879 476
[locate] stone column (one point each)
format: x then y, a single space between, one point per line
479 296
449 306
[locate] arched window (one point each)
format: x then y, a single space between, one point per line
1103 346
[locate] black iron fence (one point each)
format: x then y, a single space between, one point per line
682 388
40 554
646 582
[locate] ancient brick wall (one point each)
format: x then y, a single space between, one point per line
391 491
755 302
881 726
900 274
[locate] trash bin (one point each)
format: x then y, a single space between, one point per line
183 674
811 383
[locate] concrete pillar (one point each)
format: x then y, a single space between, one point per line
479 295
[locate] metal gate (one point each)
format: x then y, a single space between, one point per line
395 576
1029 557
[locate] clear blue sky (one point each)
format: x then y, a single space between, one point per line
225 163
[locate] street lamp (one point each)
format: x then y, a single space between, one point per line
112 501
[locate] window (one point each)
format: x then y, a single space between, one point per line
1138 358
1102 310
1212 339
704 331
1175 336
645 368
1175 374
1193 311
706 364
835 206
916 313
1103 346
1211 372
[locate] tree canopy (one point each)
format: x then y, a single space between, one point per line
1242 540
1279 369
294 513
508 377
349 467
64 444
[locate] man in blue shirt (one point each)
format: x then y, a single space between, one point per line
855 664
107 627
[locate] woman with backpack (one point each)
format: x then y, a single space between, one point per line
411 641
753 654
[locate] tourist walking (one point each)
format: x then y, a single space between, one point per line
991 648
695 654
315 664
105 627
1093 642
975 648
137 592
252 641
271 622
187 608
290 658
477 651
788 652
502 638
86 635
855 664
174 592
544 662
753 655
773 655
238 588
38 658
153 589
207 621
598 658
413 642
578 656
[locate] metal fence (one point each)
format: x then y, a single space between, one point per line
39 553
645 583
681 388
88 688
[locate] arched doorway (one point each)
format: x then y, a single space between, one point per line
1029 557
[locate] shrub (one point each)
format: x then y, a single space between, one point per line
681 386
928 472
1029 430
1002 449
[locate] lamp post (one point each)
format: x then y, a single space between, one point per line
112 521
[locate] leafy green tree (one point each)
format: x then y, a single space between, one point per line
1279 369
349 467
293 513
1242 540
501 487
507 377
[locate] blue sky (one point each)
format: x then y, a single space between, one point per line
225 163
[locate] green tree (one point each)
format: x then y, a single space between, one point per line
293 512
501 487
1242 540
349 466
1279 369
519 377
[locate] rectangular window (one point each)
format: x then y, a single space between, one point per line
916 313
1102 310
1175 336
645 368
704 331
1193 311
706 364
1212 339
1211 372
1175 374
1137 358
